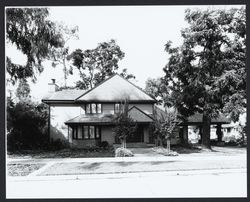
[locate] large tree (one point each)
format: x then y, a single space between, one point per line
61 56
157 89
207 73
31 32
95 65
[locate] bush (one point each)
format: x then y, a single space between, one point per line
57 145
26 125
123 152
164 151
103 145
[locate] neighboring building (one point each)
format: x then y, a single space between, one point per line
84 118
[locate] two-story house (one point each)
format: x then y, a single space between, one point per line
85 118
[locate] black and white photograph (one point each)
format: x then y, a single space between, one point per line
135 101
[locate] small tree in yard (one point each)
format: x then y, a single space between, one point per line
164 125
124 125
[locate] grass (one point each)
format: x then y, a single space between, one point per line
64 153
23 169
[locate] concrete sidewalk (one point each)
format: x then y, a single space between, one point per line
126 175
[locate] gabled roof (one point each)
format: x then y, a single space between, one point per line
138 115
67 94
116 88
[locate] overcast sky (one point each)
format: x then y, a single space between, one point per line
140 31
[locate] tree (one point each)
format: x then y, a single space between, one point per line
157 89
26 128
60 56
207 73
23 90
30 30
124 125
95 65
163 126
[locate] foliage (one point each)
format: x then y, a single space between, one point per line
157 89
103 145
164 124
124 125
164 151
207 73
123 152
23 90
34 35
26 125
60 56
95 65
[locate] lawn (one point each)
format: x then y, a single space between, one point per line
64 153
23 169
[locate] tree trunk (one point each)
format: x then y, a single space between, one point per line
183 135
168 145
206 131
219 133
200 133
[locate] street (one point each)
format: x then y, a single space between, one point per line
206 183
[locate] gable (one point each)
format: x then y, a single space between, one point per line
116 88
137 115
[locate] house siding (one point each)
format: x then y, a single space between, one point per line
59 115
107 134
146 108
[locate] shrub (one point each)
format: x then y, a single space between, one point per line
57 145
103 145
123 152
26 125
164 151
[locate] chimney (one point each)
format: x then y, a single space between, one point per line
53 87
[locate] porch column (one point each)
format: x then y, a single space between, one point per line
219 132
200 133
185 134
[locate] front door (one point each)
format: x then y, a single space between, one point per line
138 135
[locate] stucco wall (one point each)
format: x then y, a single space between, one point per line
108 108
83 143
107 134
147 108
59 115
146 134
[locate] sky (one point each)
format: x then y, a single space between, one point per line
140 31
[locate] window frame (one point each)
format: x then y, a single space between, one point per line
91 108
75 133
119 108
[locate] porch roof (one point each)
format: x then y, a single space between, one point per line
91 118
197 119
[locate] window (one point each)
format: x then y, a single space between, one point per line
86 132
117 107
74 132
93 108
99 108
91 132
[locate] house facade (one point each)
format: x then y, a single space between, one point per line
85 118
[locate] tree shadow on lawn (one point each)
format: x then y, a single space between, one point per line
63 153
189 149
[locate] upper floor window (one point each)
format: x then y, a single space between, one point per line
93 108
117 107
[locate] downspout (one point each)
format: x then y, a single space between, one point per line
49 125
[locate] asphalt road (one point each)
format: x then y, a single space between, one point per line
207 183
